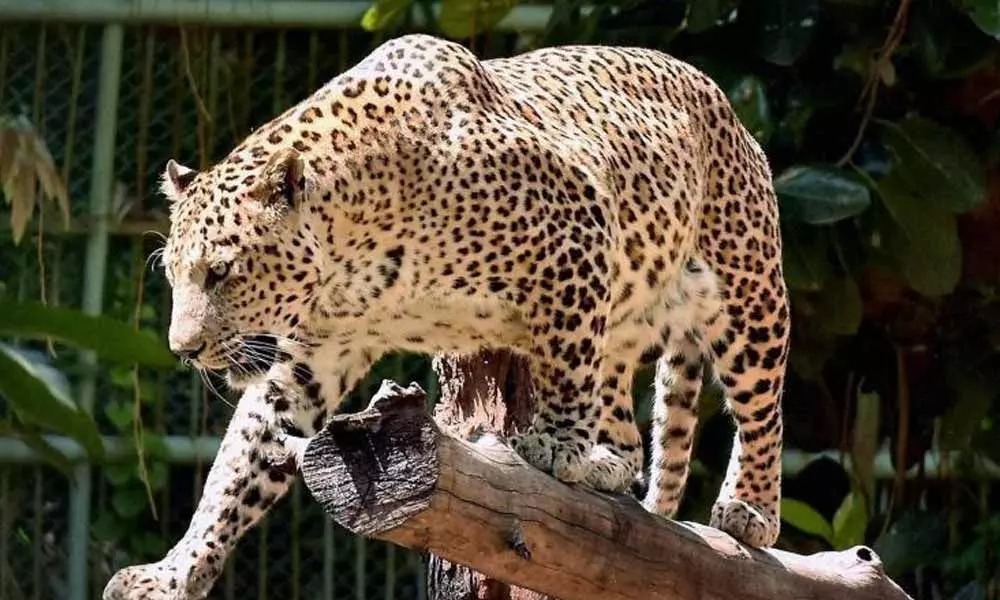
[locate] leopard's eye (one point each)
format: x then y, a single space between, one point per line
216 274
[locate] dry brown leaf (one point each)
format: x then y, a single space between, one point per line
26 167
48 176
22 203
8 145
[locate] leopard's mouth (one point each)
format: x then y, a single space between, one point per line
252 358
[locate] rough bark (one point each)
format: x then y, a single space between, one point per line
392 473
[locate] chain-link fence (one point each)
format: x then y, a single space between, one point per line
189 93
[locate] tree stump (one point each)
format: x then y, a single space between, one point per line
480 393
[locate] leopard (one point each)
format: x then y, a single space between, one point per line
591 208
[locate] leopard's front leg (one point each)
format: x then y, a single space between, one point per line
250 473
247 477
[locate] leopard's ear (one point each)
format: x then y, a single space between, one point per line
283 182
176 178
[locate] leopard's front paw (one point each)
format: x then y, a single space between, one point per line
564 459
746 522
152 581
157 581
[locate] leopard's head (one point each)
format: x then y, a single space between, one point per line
242 260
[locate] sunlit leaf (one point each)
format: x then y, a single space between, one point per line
383 12
820 195
850 521
39 397
985 14
465 18
935 164
866 439
111 339
800 515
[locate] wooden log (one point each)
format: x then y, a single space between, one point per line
390 472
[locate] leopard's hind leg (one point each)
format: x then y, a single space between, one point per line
692 302
740 240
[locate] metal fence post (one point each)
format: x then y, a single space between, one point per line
101 182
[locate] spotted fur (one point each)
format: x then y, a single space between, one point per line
592 208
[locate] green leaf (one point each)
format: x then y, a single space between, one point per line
946 43
465 18
148 545
963 420
839 308
48 453
782 28
157 475
120 474
128 501
923 239
804 258
748 96
850 521
109 528
799 111
154 446
866 440
705 14
936 164
120 415
569 24
111 339
916 539
383 12
973 590
985 14
800 515
858 55
121 376
40 398
820 195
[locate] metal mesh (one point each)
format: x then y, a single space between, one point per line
190 95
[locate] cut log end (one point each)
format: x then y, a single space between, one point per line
374 469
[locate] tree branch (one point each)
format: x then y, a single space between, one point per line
389 472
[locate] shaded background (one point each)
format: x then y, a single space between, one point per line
880 120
